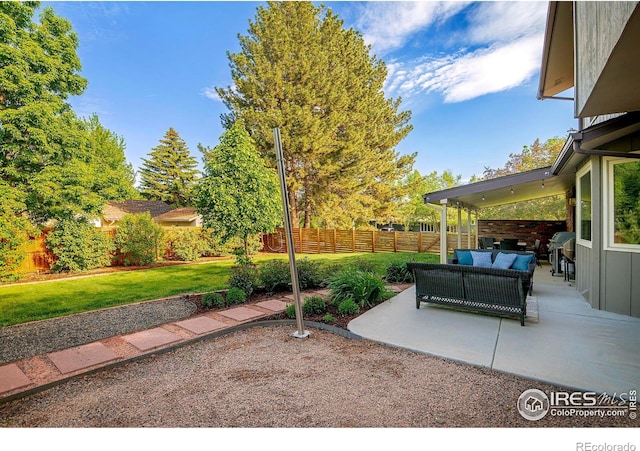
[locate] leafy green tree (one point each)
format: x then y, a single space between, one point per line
298 69
627 202
40 134
169 174
412 209
238 195
113 177
47 154
538 155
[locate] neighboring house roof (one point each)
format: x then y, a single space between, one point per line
183 214
114 211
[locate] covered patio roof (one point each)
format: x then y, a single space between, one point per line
508 189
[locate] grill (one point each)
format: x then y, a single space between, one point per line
555 250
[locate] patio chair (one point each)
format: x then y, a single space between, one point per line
537 247
487 242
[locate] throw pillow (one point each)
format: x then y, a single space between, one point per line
482 259
464 258
521 262
504 261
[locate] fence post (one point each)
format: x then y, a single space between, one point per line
335 242
318 239
353 240
373 241
395 241
419 242
300 234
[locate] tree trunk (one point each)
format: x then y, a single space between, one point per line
293 210
307 213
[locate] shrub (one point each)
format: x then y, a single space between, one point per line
14 234
183 243
364 288
313 305
328 318
398 273
211 245
236 296
245 278
212 300
290 311
79 246
309 274
328 271
275 276
348 307
138 239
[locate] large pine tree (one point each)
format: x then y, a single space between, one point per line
170 172
301 71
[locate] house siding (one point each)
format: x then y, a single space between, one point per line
598 27
607 21
621 292
583 272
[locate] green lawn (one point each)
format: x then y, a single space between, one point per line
30 302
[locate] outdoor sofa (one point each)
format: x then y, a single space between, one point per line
525 261
489 289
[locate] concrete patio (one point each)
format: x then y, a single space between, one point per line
568 344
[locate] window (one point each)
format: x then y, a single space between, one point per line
583 206
623 209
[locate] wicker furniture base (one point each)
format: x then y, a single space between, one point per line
489 290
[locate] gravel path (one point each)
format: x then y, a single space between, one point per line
263 377
40 337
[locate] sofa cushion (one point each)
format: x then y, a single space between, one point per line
521 262
482 259
464 257
504 261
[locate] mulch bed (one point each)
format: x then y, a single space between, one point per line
341 321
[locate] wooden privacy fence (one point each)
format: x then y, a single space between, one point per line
318 241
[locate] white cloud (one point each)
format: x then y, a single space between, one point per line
486 71
211 93
506 46
505 21
388 25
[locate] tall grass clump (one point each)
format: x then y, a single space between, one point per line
364 288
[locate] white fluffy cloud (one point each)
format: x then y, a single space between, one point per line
387 25
210 93
505 39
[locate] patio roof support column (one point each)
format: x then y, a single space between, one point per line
469 229
443 231
477 226
459 227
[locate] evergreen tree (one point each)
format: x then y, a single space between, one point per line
169 174
301 71
238 197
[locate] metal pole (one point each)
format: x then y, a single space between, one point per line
300 333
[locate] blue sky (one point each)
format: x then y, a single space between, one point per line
467 71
